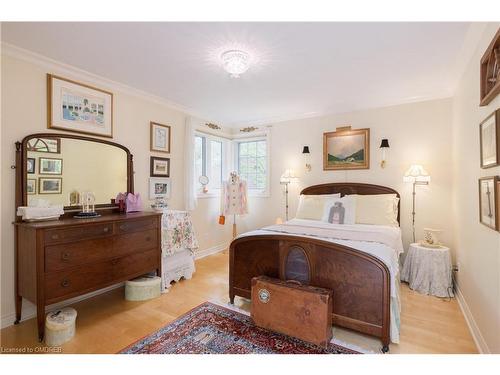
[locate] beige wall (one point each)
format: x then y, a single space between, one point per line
417 133
25 82
477 247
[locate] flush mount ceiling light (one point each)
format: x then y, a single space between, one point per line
235 62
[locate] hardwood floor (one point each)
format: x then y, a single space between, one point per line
107 323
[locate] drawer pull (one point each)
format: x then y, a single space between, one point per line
123 227
65 283
55 236
106 230
65 256
114 261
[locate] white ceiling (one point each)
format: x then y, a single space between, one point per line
303 69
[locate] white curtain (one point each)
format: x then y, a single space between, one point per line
190 194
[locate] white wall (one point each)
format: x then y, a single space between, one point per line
477 247
24 81
418 133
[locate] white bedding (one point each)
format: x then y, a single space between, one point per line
383 242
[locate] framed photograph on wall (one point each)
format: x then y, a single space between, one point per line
489 138
30 165
50 185
160 137
159 187
159 167
31 186
489 201
346 148
50 145
49 166
79 108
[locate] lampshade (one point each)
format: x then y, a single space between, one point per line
417 173
288 176
305 150
384 144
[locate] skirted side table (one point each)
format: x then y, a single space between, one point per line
428 270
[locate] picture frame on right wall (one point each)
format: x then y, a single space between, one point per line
489 138
489 201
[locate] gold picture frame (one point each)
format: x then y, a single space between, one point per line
160 137
346 149
489 203
77 107
54 188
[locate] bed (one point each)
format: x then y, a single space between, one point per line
358 262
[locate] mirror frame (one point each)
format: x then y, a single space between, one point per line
21 168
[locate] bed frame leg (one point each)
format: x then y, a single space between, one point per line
385 349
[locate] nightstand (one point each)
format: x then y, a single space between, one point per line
428 270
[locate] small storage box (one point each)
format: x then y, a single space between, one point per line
60 326
143 288
296 310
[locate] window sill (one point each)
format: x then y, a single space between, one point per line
208 195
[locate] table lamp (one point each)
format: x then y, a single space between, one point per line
416 175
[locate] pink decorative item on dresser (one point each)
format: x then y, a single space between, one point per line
133 203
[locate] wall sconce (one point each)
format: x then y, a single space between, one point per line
307 156
384 145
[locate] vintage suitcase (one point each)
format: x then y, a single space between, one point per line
293 309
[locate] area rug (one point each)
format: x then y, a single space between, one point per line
214 329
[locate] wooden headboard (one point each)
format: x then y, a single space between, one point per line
347 188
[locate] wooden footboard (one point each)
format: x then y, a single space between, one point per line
360 282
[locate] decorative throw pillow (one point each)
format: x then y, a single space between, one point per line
311 207
379 209
340 211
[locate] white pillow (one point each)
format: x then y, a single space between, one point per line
340 211
379 209
311 207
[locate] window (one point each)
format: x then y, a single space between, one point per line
252 164
209 154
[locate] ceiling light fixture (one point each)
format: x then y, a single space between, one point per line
235 62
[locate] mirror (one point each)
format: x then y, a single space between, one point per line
60 168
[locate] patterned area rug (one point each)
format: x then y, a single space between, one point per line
213 329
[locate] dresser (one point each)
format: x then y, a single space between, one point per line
62 259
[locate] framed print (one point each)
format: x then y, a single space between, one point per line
30 165
488 201
50 185
50 145
489 137
159 187
160 137
346 149
50 166
31 186
79 108
159 167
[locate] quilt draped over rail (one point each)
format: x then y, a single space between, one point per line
177 233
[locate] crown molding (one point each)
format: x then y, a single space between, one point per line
54 66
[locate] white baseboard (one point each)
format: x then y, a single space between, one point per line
210 251
482 347
29 311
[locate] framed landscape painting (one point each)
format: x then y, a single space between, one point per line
50 185
489 136
346 148
160 137
159 187
79 108
50 166
159 167
489 201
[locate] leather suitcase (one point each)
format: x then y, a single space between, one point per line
287 307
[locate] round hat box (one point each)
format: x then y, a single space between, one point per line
143 288
60 326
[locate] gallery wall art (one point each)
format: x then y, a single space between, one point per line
346 148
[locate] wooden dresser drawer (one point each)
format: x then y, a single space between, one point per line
62 256
78 233
81 279
130 226
136 263
137 241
